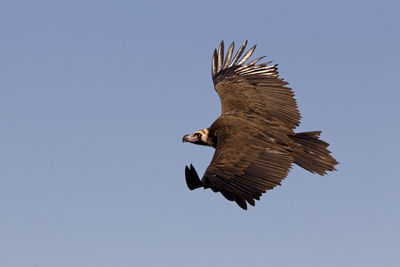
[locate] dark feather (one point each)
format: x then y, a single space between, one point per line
192 178
229 55
238 54
220 56
247 55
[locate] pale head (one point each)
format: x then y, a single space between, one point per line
199 138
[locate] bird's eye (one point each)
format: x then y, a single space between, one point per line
197 134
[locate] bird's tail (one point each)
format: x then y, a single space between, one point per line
313 155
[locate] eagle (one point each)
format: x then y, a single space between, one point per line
254 139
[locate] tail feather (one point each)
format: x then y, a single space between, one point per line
313 155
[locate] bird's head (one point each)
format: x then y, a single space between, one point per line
199 138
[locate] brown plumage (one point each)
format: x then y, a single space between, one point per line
254 138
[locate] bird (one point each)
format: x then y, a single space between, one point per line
254 139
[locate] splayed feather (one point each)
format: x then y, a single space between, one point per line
238 54
248 54
229 55
220 56
214 63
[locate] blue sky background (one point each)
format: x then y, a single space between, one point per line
95 97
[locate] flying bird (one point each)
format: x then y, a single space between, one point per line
254 139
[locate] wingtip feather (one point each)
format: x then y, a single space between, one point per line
214 63
238 54
229 55
247 55
192 178
220 56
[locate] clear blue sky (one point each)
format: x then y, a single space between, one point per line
95 97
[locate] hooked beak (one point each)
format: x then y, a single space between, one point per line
189 138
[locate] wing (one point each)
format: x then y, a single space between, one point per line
243 168
252 88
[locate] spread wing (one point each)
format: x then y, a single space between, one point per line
243 168
252 88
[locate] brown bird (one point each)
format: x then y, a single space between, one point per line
254 139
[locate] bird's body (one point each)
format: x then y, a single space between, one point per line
254 137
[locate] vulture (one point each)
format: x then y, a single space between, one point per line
254 139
